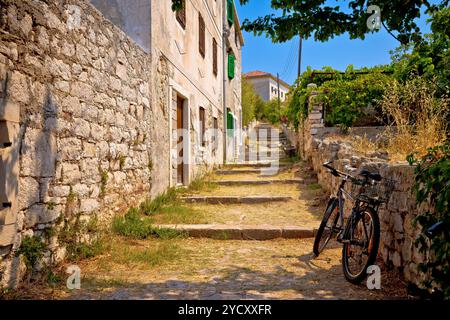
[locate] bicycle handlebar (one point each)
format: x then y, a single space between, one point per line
336 172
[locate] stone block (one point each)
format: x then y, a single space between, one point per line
9 110
9 133
89 205
9 175
19 90
29 192
398 222
81 128
89 170
296 233
70 173
38 153
262 233
407 250
41 214
8 215
71 149
60 191
121 72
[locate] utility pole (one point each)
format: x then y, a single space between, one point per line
300 44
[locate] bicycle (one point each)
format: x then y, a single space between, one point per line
360 232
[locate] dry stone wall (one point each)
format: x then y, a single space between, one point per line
84 130
396 217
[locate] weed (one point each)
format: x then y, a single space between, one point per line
104 181
71 198
179 214
203 183
84 239
150 165
122 159
32 249
134 225
53 278
51 205
314 186
149 206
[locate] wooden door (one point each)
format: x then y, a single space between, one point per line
180 121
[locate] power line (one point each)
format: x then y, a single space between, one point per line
289 60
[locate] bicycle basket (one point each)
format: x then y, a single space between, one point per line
379 191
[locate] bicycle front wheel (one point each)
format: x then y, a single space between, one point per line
327 227
361 250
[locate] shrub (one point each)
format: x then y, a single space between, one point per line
349 100
432 185
32 249
84 239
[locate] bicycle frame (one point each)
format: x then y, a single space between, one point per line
346 229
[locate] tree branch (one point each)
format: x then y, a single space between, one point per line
390 32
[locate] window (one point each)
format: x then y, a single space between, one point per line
202 126
230 12
231 62
201 35
214 50
181 15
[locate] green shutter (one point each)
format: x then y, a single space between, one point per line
230 12
231 59
230 124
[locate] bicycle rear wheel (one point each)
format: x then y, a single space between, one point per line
327 227
362 250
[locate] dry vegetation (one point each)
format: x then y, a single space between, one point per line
417 120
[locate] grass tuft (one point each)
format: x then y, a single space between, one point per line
137 226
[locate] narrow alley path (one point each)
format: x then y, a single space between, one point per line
220 261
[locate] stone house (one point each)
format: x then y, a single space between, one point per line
266 85
91 95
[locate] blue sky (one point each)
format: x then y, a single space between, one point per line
259 53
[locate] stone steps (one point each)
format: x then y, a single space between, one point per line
254 165
240 232
235 199
269 171
257 182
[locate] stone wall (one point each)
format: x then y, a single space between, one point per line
397 232
84 131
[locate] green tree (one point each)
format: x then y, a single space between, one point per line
429 57
249 101
323 21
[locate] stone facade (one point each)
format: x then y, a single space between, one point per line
86 121
88 108
397 232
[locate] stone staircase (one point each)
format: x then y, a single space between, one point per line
260 187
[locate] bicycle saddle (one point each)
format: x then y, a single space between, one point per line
367 174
